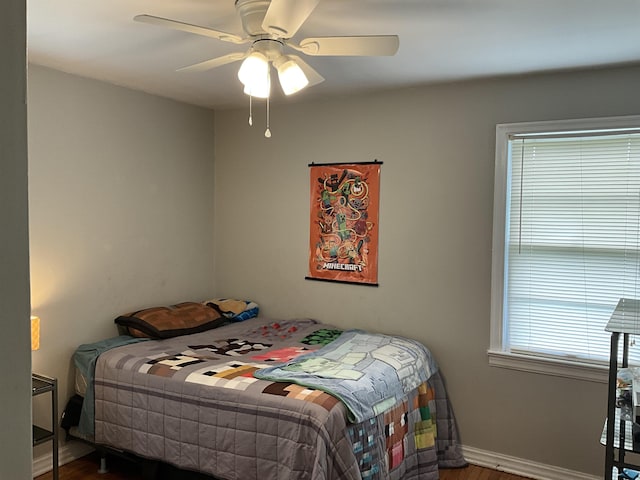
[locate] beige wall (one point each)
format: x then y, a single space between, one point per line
15 414
121 210
438 145
122 193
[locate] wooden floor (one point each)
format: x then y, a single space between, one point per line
86 468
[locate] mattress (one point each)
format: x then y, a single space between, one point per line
194 402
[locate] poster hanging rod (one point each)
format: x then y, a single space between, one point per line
374 162
342 281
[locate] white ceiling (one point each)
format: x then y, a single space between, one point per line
440 40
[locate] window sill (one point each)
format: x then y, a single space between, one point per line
547 366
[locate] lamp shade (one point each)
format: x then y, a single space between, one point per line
292 78
35 332
254 68
259 89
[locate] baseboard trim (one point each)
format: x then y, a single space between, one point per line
522 467
70 451
73 450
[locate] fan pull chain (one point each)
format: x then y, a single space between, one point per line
267 132
250 110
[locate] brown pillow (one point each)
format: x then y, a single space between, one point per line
172 321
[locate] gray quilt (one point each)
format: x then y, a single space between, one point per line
194 402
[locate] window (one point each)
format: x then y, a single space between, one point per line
566 241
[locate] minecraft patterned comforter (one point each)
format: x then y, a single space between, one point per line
193 401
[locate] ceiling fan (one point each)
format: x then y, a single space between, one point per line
269 26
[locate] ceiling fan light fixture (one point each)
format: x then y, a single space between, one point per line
269 26
255 66
292 78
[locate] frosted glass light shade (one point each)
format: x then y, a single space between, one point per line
292 78
259 89
35 333
254 68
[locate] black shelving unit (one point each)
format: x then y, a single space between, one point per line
41 384
620 436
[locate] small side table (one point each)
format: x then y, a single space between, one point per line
41 384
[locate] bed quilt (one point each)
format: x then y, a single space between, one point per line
194 401
368 372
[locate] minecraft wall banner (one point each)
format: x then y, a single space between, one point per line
343 238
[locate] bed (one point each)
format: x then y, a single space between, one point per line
269 399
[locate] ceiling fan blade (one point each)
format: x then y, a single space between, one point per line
369 45
285 17
313 76
213 63
187 27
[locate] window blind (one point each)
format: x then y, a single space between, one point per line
572 241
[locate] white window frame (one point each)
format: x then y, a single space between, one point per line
499 355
